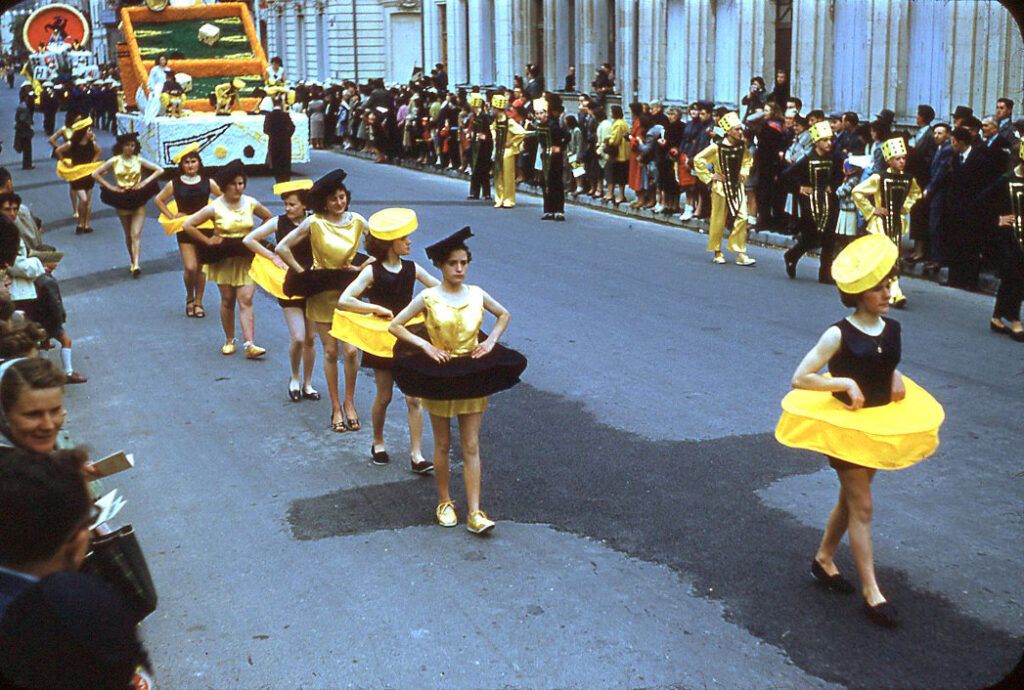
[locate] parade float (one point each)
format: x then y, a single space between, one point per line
56 37
218 62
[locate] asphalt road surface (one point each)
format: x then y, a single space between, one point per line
651 532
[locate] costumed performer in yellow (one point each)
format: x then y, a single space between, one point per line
885 201
227 259
726 166
508 136
386 285
334 234
65 133
79 159
864 415
268 270
225 96
187 193
453 370
128 198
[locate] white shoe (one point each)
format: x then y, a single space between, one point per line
751 220
718 259
687 214
744 260
658 208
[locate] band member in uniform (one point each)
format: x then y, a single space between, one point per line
334 234
508 138
818 176
227 259
387 286
128 198
1005 247
725 166
885 201
187 193
453 370
552 140
865 415
79 158
268 270
480 150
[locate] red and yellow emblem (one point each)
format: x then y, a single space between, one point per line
54 25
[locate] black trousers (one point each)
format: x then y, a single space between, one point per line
26 154
808 238
1002 250
480 181
554 190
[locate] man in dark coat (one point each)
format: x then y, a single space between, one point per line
278 126
938 178
919 165
965 218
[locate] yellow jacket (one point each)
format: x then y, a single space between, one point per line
707 159
619 136
513 138
868 195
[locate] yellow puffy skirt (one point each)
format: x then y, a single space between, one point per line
268 276
888 437
233 271
66 170
367 332
172 226
453 408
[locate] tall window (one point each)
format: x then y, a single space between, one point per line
784 34
280 39
300 46
610 50
442 18
537 54
726 52
323 66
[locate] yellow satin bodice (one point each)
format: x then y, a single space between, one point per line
452 328
127 171
335 244
233 222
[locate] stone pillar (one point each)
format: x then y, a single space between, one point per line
811 72
632 42
458 43
481 42
558 44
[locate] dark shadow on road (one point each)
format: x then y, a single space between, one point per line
101 213
691 506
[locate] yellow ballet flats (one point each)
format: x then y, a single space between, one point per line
445 513
228 348
478 522
254 351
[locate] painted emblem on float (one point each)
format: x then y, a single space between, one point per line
54 26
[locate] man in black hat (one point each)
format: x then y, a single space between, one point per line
552 141
961 113
278 126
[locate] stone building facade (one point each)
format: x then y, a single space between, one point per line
859 55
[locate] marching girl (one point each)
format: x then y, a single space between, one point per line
334 234
268 270
79 158
132 192
864 415
65 133
187 193
454 371
227 259
387 285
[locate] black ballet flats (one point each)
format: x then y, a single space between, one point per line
834 583
883 615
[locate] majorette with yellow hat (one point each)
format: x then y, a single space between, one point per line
864 415
508 138
78 159
481 147
885 201
552 140
187 193
1006 245
387 286
725 166
818 176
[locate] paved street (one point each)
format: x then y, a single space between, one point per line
651 532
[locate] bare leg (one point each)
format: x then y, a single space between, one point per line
84 207
308 356
126 224
74 202
330 345
469 437
135 248
415 428
296 322
351 363
835 528
227 311
442 441
385 384
856 482
246 315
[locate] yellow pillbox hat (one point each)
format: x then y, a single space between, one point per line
238 83
81 124
282 188
191 148
393 223
864 263
476 99
894 147
499 101
821 130
729 120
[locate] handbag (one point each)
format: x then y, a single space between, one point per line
117 558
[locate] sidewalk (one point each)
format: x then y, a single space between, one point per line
988 284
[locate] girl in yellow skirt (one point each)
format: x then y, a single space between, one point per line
334 234
227 259
187 193
268 270
387 285
79 158
129 196
864 415
454 371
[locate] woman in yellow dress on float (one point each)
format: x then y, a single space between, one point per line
387 285
187 193
453 370
334 234
865 415
227 259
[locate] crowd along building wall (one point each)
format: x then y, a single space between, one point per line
860 55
